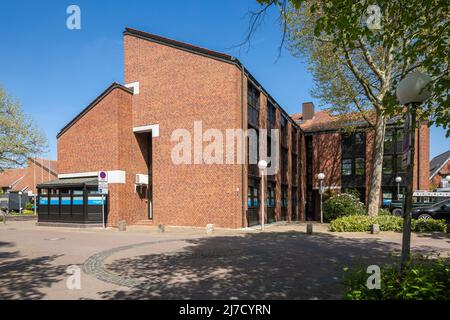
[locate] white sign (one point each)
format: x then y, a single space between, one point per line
103 182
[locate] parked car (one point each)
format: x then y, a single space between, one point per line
421 199
440 210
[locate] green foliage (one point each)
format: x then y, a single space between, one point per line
29 206
19 138
27 212
423 279
429 225
341 205
384 212
364 223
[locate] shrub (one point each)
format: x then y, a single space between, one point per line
423 279
429 225
29 206
384 212
341 205
386 223
27 212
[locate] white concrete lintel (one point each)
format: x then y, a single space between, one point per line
153 128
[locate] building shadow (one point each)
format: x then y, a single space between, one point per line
24 278
287 265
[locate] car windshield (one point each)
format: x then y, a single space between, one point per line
442 203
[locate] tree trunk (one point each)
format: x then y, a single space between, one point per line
376 174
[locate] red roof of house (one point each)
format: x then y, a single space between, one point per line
22 179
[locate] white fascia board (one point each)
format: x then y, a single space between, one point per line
77 175
134 86
114 176
154 128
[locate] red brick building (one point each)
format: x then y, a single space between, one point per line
174 93
25 179
440 170
344 156
128 131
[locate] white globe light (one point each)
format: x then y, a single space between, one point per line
410 89
262 164
321 176
447 178
398 179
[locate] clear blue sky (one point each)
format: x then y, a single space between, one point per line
56 72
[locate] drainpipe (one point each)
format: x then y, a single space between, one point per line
243 144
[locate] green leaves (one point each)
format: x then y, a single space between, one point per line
19 138
423 279
363 223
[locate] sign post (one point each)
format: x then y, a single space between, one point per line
103 189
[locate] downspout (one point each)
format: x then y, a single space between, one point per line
243 144
418 157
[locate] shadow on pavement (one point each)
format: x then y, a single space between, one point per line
288 265
23 278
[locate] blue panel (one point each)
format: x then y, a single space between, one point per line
65 201
43 201
54 201
78 201
95 201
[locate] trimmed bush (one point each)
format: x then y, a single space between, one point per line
429 225
423 279
384 212
29 206
386 223
342 205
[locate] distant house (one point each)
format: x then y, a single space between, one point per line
439 170
25 179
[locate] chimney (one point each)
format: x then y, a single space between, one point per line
308 111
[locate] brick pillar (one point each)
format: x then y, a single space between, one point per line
289 172
278 175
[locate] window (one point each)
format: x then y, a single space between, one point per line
347 167
387 165
253 105
388 140
283 197
399 165
270 197
271 116
359 166
252 197
359 138
347 140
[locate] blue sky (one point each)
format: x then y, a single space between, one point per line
56 72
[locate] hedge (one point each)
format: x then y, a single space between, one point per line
387 223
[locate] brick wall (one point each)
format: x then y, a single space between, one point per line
176 89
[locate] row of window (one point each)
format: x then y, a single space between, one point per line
253 197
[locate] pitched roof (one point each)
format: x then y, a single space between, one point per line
438 162
323 120
113 86
21 179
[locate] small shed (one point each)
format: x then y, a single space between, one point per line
72 201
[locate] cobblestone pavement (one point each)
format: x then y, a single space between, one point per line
185 263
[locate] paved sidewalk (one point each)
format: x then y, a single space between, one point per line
185 263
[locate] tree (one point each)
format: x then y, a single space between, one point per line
19 138
358 52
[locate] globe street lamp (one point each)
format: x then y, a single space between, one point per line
411 92
20 202
262 165
321 177
447 178
398 180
